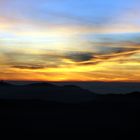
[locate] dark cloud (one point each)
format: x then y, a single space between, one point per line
90 63
110 49
121 54
122 49
32 67
79 56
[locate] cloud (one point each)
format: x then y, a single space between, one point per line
116 54
98 63
79 56
30 67
33 61
57 59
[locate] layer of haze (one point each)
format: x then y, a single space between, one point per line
70 40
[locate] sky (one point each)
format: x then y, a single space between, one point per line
70 40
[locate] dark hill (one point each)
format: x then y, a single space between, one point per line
41 85
3 83
45 91
41 108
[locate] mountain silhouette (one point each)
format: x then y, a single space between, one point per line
42 84
44 107
45 91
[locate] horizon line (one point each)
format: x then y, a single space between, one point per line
71 81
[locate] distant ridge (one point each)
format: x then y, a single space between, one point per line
136 93
51 92
3 83
42 84
45 91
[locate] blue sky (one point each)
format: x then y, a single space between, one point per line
68 11
72 17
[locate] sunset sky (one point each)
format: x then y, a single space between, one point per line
70 40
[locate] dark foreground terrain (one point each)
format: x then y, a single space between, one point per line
104 113
43 117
